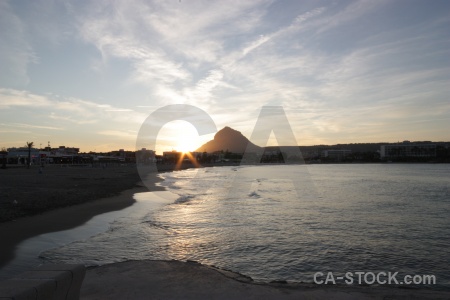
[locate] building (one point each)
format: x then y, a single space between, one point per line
60 155
172 156
145 156
20 155
408 149
127 156
336 154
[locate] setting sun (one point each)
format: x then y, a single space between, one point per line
186 144
179 136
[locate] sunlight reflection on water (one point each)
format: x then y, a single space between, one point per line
346 218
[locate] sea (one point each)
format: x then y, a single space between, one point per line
277 222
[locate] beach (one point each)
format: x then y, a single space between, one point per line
60 198
111 188
32 191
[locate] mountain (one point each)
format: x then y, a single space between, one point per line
228 139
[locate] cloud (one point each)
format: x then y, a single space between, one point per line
255 44
164 44
11 97
15 51
334 68
65 120
119 109
118 133
21 125
355 10
202 93
67 108
109 28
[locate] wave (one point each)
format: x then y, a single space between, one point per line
254 195
156 224
184 199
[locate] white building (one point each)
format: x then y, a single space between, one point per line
19 155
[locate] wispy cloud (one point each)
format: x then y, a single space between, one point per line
21 125
118 133
109 28
11 97
16 52
342 70
353 11
179 46
84 110
69 115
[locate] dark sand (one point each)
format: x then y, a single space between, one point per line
187 280
60 198
59 186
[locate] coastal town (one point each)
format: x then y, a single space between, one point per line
405 151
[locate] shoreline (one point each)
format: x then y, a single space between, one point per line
172 279
15 231
77 213
100 190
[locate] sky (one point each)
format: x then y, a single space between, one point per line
87 74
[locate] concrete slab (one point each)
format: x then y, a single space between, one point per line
57 282
183 280
25 289
61 279
77 275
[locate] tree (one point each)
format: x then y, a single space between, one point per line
29 145
3 152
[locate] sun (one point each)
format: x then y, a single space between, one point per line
185 144
180 136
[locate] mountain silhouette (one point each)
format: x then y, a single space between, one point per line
228 139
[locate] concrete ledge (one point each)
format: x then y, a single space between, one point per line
25 289
153 279
45 282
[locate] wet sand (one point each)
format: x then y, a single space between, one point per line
61 198
189 280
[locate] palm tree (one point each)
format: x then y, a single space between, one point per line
29 145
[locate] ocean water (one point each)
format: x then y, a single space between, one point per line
286 222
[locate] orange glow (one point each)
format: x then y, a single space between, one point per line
189 156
